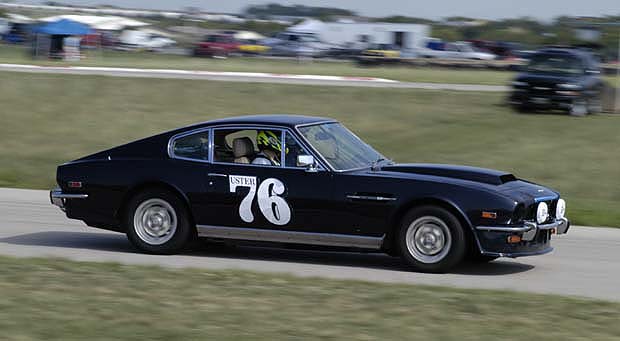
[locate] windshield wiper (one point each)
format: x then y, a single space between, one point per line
376 163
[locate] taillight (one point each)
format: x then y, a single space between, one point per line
74 184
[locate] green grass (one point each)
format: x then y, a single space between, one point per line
63 300
50 119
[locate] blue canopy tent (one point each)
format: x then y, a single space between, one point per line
63 27
55 33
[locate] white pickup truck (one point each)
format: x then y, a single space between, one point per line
457 50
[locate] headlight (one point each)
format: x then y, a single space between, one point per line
569 86
542 213
560 209
517 83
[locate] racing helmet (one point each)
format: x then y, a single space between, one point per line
268 140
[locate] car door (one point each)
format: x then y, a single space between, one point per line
451 51
280 197
365 202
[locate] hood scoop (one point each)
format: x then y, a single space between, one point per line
488 176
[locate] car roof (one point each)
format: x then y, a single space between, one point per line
558 50
276 120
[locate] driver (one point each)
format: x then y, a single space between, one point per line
269 148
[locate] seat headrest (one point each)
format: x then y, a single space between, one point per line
243 146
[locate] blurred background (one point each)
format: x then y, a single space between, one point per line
525 85
530 87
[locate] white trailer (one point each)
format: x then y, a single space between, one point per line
408 37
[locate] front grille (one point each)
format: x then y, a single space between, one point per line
531 211
541 89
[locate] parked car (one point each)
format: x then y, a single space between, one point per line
559 78
252 47
501 49
380 54
351 50
297 45
386 51
217 45
137 39
305 180
457 50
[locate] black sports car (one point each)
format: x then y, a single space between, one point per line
304 180
564 79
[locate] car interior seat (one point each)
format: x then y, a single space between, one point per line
243 149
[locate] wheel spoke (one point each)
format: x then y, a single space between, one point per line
155 221
428 239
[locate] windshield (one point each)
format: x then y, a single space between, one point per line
340 147
555 64
308 39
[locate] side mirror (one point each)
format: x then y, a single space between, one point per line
306 161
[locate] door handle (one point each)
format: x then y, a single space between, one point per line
370 197
218 175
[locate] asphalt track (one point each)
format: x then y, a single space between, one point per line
251 77
585 262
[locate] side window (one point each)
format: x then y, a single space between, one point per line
248 146
195 146
293 149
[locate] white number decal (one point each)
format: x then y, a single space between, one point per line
245 209
273 207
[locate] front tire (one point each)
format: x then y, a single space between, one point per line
578 108
431 239
158 222
595 105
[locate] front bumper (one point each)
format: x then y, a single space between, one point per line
542 101
58 198
535 238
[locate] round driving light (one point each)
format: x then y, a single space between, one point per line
560 209
542 213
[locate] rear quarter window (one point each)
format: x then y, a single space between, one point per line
194 146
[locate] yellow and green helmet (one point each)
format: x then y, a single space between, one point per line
267 139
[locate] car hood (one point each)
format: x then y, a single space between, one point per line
493 180
482 175
528 192
532 78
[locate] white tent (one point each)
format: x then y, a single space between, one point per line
308 26
19 19
107 23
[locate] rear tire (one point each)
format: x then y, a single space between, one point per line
158 222
431 239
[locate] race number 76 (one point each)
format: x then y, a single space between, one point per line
273 207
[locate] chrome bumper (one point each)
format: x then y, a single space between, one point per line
530 229
58 198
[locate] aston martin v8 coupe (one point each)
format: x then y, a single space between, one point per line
306 181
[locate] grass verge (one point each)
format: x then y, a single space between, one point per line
49 119
63 300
